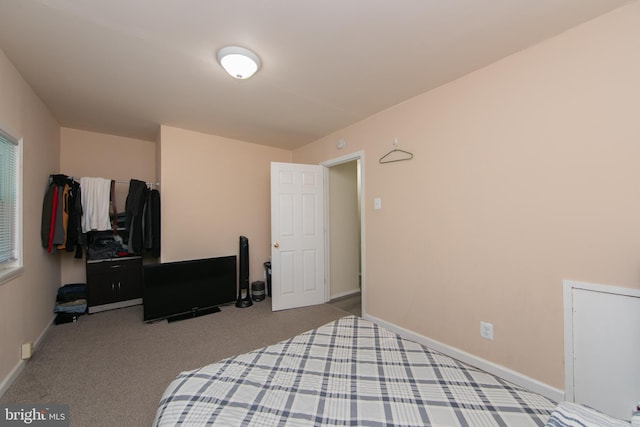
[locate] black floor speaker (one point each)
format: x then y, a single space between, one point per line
244 292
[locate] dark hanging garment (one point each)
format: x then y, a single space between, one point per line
74 225
146 223
134 207
152 223
52 222
61 226
62 217
47 209
58 233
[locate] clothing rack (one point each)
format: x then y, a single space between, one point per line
120 181
149 184
98 212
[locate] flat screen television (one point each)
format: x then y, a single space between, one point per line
182 289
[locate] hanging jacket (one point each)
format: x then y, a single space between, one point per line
134 208
152 223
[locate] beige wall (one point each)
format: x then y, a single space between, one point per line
525 173
214 190
344 229
26 302
93 154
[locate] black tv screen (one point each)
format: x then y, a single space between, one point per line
184 287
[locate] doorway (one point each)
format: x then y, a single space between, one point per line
344 245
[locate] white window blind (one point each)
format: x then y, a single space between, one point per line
8 201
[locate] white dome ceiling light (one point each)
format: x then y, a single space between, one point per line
239 62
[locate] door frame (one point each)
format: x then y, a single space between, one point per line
357 156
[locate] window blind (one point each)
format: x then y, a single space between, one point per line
8 201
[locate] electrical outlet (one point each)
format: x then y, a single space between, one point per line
26 351
486 330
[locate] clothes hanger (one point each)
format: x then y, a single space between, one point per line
404 155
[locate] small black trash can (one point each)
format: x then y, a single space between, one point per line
267 266
257 290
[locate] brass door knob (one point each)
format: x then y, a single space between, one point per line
276 245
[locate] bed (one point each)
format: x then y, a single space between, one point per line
347 372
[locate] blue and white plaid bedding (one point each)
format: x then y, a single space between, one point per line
348 372
569 414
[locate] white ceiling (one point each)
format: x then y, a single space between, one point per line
124 67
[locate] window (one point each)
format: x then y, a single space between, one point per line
10 206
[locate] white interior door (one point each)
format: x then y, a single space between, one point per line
297 235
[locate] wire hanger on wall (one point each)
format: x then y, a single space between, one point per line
396 155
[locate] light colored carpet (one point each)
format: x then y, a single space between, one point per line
111 368
351 304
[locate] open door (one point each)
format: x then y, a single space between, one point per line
297 235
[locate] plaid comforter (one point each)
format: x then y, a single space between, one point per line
348 372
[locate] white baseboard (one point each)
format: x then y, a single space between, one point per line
6 383
517 378
15 372
345 293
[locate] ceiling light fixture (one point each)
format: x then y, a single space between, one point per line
239 62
